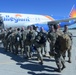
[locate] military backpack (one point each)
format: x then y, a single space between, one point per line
64 42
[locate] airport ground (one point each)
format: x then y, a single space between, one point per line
11 64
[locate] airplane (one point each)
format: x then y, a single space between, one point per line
19 20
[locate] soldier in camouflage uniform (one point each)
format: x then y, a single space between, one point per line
44 33
40 41
18 41
2 37
12 42
30 37
58 54
69 50
25 42
7 42
51 39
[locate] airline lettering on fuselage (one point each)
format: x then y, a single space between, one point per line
15 19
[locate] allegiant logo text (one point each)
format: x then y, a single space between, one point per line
15 19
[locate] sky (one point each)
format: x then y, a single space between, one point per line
42 7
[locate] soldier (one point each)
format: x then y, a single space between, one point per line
44 34
69 50
7 42
51 39
30 37
18 40
25 41
40 41
11 42
2 36
58 54
36 30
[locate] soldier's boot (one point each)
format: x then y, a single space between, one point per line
63 66
41 62
64 57
28 56
58 70
37 59
16 52
12 50
6 49
69 60
59 67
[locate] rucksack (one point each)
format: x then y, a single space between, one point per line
43 39
18 37
64 42
29 36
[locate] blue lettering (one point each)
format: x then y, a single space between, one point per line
16 20
11 18
27 19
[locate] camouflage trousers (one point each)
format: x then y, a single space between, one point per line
60 62
39 53
68 53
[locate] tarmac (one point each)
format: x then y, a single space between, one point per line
11 64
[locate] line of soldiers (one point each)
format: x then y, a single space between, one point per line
28 39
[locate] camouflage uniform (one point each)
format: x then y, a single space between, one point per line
69 50
58 54
51 39
44 33
7 42
30 37
2 37
12 42
39 46
18 43
25 42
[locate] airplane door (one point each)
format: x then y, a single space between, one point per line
1 23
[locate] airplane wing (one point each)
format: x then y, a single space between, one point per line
62 20
72 16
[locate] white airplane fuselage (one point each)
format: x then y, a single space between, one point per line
19 20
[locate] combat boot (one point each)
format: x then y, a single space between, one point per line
63 67
41 63
57 70
64 57
69 60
